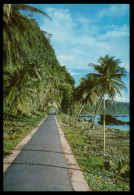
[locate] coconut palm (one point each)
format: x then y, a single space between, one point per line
11 10
21 67
108 80
20 86
86 92
14 26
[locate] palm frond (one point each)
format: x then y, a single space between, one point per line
31 9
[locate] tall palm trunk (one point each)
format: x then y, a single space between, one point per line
76 110
97 109
81 106
104 122
7 9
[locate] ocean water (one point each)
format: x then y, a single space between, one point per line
121 117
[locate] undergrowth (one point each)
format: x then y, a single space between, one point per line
109 172
17 127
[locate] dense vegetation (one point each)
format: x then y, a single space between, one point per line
119 108
33 79
34 83
109 172
32 75
112 107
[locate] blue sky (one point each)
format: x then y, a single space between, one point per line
82 33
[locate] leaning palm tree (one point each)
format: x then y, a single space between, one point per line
86 92
12 9
14 26
109 80
20 65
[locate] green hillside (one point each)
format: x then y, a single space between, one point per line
120 108
116 108
32 75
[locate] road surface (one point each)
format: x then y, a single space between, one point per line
41 165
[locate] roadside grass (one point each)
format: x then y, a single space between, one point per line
109 172
17 127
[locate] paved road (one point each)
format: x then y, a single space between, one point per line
41 165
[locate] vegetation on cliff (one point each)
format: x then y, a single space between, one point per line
32 76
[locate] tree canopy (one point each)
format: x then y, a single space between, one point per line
32 75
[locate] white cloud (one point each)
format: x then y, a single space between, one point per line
84 20
65 57
111 34
114 10
60 13
61 26
72 72
121 99
118 32
80 39
78 42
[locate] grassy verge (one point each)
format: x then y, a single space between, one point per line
17 127
109 172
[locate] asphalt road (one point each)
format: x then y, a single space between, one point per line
41 165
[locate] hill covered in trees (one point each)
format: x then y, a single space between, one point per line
115 108
32 75
119 108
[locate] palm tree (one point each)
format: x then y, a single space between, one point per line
20 66
12 9
108 80
86 92
14 26
20 85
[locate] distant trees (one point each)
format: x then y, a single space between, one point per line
117 108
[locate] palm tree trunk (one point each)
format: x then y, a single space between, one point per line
76 110
104 122
97 109
81 106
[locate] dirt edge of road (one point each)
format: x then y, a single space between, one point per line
77 178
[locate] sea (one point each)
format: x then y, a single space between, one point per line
119 117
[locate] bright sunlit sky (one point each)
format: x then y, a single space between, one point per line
82 33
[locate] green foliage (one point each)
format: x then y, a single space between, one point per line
17 127
32 74
109 172
113 107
